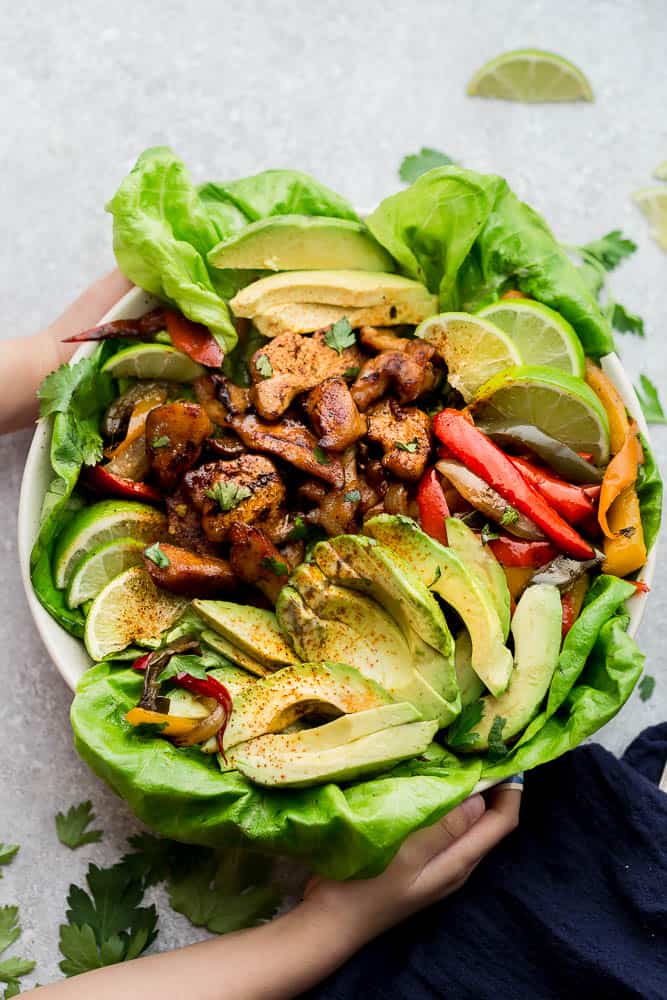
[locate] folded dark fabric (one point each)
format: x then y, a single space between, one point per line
572 904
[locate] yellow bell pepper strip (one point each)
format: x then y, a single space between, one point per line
625 551
174 725
609 396
621 473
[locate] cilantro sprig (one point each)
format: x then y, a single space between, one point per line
416 164
71 826
275 566
228 495
12 968
263 366
598 258
410 446
340 336
156 555
649 400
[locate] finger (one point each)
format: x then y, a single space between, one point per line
89 308
424 844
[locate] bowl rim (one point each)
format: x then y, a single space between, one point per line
67 652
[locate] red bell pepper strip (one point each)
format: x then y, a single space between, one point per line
142 326
517 552
486 459
433 507
98 479
571 502
640 586
569 612
194 340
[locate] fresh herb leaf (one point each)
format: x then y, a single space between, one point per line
625 321
650 401
228 495
340 336
611 249
263 366
321 456
497 746
160 442
510 517
12 968
438 574
151 858
157 556
299 531
179 664
275 566
411 446
646 686
9 926
416 164
7 852
351 372
461 731
71 826
352 496
489 534
80 386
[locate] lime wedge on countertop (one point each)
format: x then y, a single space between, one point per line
156 361
653 203
474 349
94 570
559 404
540 334
103 522
129 609
531 76
660 172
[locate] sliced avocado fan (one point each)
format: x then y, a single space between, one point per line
482 563
254 631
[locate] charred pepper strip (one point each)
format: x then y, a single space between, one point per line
98 479
433 507
486 459
142 326
571 465
571 502
194 340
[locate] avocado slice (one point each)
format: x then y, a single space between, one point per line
445 574
536 627
470 685
306 317
277 760
363 565
479 559
273 703
296 242
350 289
254 631
328 622
233 653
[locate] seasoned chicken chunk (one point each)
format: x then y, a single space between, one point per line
291 364
256 560
336 511
184 525
382 338
404 434
245 489
333 415
221 398
190 574
409 373
175 433
292 441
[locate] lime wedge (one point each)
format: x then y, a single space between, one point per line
531 76
653 203
103 522
540 334
660 172
156 361
94 571
129 609
473 348
559 404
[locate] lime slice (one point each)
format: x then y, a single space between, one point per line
156 361
559 404
129 609
94 571
473 348
103 522
531 76
653 203
660 172
540 334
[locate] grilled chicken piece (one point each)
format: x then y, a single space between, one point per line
312 491
404 434
205 391
334 416
382 338
225 444
234 398
297 363
256 560
291 441
409 372
218 490
336 512
190 574
184 526
175 433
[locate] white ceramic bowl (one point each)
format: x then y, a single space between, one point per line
68 653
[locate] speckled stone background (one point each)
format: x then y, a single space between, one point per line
340 89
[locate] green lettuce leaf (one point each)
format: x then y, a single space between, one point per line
649 491
279 192
468 237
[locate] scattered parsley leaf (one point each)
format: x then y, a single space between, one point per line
9 927
151 858
157 556
12 968
321 456
353 496
497 746
626 322
263 366
160 442
611 249
340 336
489 534
71 826
275 566
299 531
650 401
416 164
411 446
228 495
351 372
76 386
461 731
7 852
180 664
510 517
646 686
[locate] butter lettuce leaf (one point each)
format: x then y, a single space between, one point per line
279 192
649 490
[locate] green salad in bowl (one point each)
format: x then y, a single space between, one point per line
351 516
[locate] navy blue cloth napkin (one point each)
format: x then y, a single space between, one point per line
572 904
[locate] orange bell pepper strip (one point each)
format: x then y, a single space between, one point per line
620 474
174 725
625 551
609 396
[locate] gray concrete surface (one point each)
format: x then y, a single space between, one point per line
342 90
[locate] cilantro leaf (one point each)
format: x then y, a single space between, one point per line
649 400
340 336
488 534
321 456
228 495
510 516
646 687
411 446
160 442
263 366
497 746
625 321
352 496
179 664
151 858
275 566
351 372
12 968
416 164
299 531
157 556
461 731
7 852
71 826
61 388
611 249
